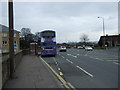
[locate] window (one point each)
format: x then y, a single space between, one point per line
15 42
4 50
48 34
15 50
4 34
14 34
15 46
4 42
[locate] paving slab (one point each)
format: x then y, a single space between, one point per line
32 73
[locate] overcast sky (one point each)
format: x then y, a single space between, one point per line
69 19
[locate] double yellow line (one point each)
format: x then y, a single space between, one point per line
65 83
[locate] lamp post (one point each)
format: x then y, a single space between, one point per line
103 32
103 26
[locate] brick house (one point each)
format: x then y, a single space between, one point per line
109 40
4 32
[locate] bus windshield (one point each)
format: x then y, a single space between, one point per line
48 34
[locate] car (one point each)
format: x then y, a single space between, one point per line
88 48
80 47
62 49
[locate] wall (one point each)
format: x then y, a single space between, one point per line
0 60
6 65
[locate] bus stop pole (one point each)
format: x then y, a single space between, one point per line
11 37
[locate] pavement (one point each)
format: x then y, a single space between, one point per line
33 73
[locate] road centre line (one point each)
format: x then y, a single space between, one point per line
69 61
99 59
80 55
84 71
96 58
86 54
111 60
79 67
72 55
63 57
116 63
55 61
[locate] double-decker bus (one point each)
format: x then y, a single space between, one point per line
48 43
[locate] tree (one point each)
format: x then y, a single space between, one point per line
25 31
26 38
84 38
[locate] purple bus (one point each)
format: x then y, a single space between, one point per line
48 43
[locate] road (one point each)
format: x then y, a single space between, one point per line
87 69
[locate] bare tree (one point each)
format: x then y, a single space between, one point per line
84 38
25 31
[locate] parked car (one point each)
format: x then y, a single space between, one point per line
80 47
62 49
88 48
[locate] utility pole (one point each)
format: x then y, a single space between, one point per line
11 37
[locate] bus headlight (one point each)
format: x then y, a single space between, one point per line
42 48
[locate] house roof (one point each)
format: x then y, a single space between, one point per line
4 28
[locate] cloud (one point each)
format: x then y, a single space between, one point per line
68 19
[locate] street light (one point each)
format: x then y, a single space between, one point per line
103 26
103 32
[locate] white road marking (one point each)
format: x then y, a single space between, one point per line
81 54
59 54
111 60
115 63
63 57
55 61
86 54
84 71
72 55
69 61
68 54
97 58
